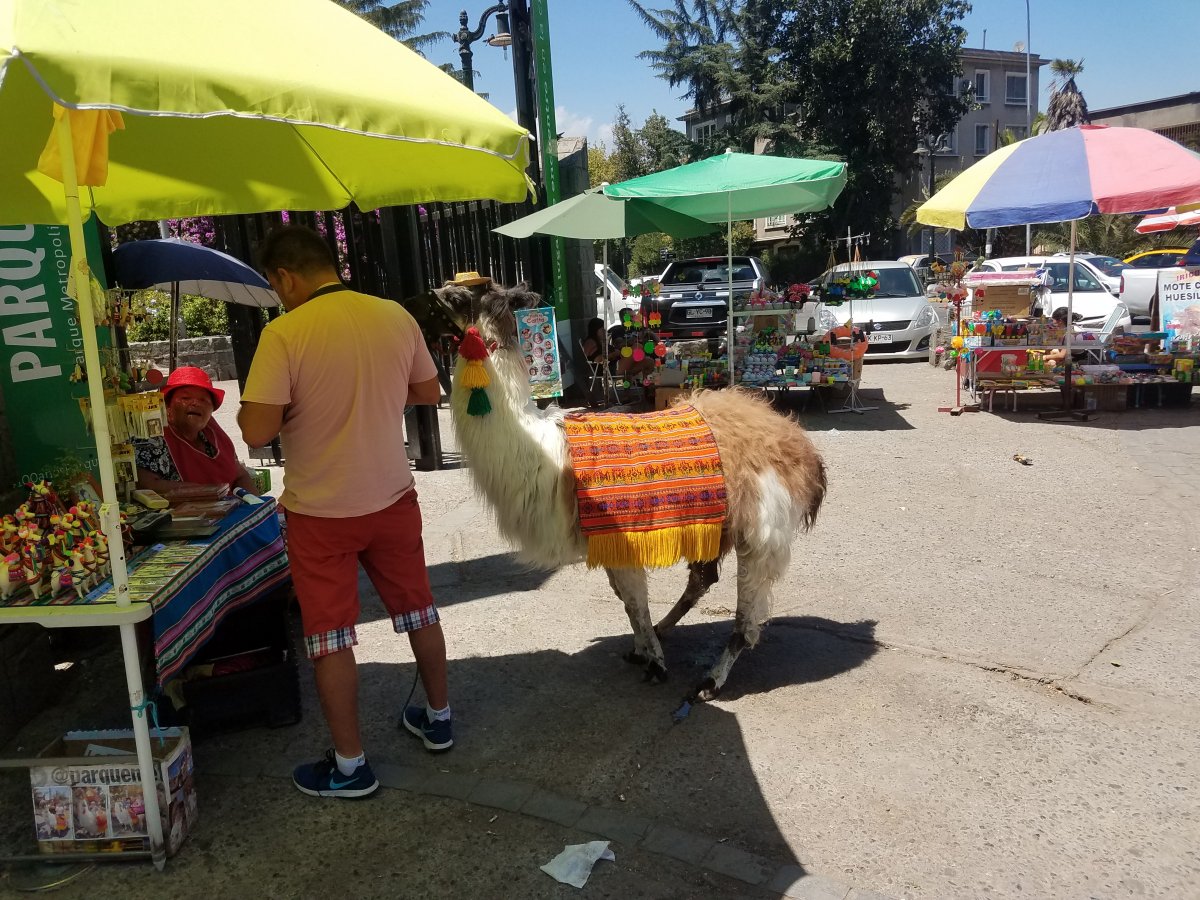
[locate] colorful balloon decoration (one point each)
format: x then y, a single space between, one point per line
638 354
660 349
627 352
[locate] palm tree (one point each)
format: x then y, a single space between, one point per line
397 19
1067 106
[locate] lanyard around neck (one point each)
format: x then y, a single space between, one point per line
327 289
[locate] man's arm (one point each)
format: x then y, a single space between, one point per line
425 393
260 422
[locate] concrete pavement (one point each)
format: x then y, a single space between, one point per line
981 681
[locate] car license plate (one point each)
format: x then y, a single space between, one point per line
880 337
704 312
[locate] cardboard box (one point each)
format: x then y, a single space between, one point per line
664 395
88 797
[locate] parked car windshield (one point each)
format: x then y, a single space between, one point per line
708 272
1060 273
898 282
1109 265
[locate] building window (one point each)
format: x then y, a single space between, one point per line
703 131
983 143
983 83
1015 88
1017 132
775 222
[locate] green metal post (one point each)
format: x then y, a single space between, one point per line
540 21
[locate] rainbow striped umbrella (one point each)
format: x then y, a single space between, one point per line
1168 221
1067 175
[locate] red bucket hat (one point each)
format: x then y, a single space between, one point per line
190 376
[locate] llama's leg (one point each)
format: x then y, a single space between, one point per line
763 557
701 576
631 586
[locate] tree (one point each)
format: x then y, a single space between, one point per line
600 166
1067 106
628 154
1107 235
399 20
662 146
852 79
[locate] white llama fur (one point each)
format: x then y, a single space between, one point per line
518 459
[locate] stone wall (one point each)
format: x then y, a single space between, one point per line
212 354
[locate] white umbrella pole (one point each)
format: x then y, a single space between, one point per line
1070 317
109 509
730 337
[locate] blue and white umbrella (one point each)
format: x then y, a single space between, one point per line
171 264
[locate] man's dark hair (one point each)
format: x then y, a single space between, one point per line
297 249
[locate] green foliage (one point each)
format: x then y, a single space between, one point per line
1066 106
852 79
201 316
600 167
1107 235
645 256
399 20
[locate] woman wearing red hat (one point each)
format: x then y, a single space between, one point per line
194 449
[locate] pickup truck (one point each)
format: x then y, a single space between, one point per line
694 293
1139 285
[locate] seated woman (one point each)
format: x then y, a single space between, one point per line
593 343
1055 357
193 449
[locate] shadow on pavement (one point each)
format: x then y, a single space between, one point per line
886 416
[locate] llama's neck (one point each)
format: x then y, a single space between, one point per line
518 459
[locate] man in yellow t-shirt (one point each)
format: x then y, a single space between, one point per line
332 377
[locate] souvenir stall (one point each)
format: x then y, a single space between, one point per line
1064 176
87 134
735 186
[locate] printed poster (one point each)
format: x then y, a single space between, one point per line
538 337
1179 305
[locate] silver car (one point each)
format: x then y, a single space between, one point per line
899 321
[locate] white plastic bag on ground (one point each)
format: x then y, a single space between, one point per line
574 864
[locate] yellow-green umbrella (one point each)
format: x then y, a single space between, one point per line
145 110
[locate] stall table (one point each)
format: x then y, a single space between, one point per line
186 588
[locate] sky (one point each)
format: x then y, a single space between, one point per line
595 43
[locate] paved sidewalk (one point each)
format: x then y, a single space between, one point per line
980 681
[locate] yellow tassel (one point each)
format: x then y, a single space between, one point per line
474 375
654 549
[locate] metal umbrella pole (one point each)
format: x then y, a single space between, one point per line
853 402
109 509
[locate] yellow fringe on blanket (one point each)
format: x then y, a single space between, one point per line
654 549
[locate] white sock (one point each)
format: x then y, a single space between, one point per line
347 766
437 715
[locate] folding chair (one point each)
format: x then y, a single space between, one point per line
599 372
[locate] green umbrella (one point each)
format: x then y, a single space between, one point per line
740 186
734 186
594 216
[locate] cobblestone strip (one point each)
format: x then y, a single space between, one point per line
629 829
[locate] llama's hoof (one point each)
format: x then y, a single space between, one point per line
708 690
635 658
656 673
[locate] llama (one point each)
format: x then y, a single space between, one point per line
519 460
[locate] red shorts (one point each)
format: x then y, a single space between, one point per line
324 555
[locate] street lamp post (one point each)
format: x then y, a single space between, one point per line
465 38
929 145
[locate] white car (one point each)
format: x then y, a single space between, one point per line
899 321
1107 269
1093 304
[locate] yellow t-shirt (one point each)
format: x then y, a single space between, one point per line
341 363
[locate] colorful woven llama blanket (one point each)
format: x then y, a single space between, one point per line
650 487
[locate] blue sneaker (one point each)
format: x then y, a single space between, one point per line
438 735
324 779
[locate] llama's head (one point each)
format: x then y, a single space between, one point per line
491 312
